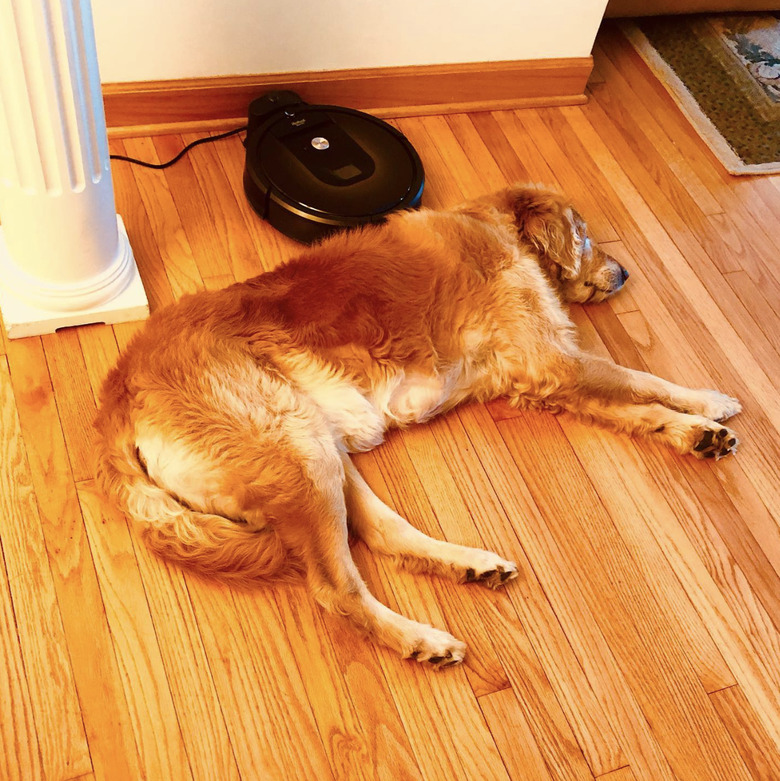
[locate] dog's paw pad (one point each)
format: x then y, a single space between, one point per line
450 659
716 443
492 573
500 575
437 649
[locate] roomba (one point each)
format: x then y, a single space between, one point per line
311 170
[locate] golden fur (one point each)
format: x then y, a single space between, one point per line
225 428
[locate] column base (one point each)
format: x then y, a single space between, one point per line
23 318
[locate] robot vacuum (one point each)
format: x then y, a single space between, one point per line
311 170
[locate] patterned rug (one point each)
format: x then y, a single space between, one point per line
724 73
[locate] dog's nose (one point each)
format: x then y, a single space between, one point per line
624 273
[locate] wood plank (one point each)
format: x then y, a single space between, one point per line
230 220
196 210
453 522
703 247
413 693
514 737
20 758
341 728
441 190
647 90
630 506
155 725
758 750
744 548
555 739
668 163
646 647
104 708
727 519
622 774
724 244
47 671
699 235
146 250
389 751
465 170
75 399
258 683
617 342
524 148
449 703
571 688
757 297
652 347
746 192
548 720
565 595
164 221
199 711
476 152
100 351
512 168
696 499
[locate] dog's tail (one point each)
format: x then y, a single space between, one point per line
211 544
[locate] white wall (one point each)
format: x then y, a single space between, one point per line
147 40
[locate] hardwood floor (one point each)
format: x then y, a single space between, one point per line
642 638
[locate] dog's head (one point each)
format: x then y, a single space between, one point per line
551 228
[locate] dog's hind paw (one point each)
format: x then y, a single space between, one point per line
716 442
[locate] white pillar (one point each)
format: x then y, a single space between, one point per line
64 254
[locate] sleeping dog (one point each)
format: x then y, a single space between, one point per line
226 427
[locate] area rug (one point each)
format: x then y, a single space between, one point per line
724 73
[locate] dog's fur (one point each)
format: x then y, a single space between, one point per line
226 426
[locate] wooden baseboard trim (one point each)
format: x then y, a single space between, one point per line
217 102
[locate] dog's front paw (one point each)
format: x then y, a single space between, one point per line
493 572
436 648
715 442
717 406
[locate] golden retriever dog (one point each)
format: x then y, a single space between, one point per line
226 427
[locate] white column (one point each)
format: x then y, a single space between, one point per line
64 254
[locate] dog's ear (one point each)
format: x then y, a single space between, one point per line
551 227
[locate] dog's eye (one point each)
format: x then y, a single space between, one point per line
588 284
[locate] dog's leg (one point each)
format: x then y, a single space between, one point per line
604 379
384 531
685 433
314 527
634 402
642 404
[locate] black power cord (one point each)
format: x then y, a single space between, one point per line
159 166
